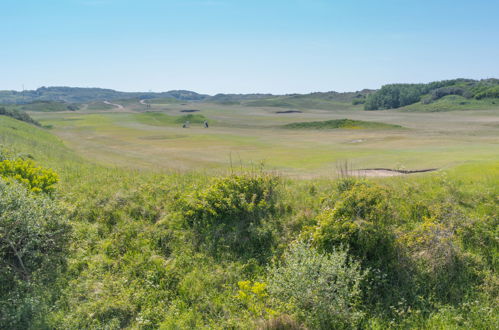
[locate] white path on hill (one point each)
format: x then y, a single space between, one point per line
119 106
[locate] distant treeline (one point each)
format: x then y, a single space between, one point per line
19 115
399 95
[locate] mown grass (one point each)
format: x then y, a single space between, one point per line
155 139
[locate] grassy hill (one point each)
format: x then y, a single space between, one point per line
324 101
85 95
19 115
453 102
44 106
446 95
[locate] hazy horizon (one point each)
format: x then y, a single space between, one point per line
212 94
278 47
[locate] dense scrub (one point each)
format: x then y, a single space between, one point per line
251 249
400 95
245 250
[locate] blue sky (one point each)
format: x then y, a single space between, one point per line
221 46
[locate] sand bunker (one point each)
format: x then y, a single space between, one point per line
385 172
289 111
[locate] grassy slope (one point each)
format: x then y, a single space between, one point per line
453 103
47 106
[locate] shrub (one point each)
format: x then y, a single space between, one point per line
358 101
445 272
37 179
444 91
323 290
360 220
492 92
254 297
482 237
228 216
33 239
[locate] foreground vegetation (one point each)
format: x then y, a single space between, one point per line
115 248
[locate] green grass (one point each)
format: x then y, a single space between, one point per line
152 215
340 123
166 100
250 135
161 119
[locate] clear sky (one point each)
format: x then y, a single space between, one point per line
222 46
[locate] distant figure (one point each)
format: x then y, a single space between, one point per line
186 124
205 124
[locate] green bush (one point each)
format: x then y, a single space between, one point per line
360 220
33 240
229 215
322 290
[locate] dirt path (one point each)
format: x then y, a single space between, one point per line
119 106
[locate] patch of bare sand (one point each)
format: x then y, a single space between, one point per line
386 172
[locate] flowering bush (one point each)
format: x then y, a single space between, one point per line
37 179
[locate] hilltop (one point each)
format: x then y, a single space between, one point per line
84 95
